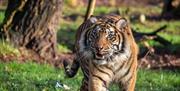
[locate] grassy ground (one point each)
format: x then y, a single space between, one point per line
35 77
1 16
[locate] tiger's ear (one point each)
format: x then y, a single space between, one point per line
121 23
93 19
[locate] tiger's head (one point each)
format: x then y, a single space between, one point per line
105 38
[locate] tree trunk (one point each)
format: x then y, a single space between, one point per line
32 24
167 7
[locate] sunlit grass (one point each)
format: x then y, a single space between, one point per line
8 49
63 48
158 80
22 77
1 16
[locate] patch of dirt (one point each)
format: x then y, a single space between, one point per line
160 61
58 62
157 60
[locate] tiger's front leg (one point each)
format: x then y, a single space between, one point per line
130 84
96 83
129 80
98 79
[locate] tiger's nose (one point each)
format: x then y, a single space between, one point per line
99 48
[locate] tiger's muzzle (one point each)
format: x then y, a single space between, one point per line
101 55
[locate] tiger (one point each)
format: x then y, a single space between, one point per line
106 51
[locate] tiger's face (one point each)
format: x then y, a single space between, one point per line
105 39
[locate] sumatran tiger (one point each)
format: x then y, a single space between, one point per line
106 52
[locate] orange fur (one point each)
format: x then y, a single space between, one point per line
106 58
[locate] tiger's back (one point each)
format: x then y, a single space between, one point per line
106 52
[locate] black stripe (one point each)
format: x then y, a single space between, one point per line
86 40
110 69
123 43
102 71
84 86
122 50
129 78
85 81
127 72
86 26
121 39
120 67
105 83
85 68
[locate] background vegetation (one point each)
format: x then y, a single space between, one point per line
17 75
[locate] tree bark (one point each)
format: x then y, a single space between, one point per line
32 24
167 6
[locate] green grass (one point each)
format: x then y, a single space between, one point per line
7 49
1 16
35 77
158 80
63 48
171 33
31 76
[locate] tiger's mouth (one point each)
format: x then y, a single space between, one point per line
99 56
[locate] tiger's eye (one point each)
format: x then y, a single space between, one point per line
110 36
113 39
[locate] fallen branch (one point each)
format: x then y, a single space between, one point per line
140 37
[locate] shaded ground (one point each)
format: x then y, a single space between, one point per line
160 61
150 61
